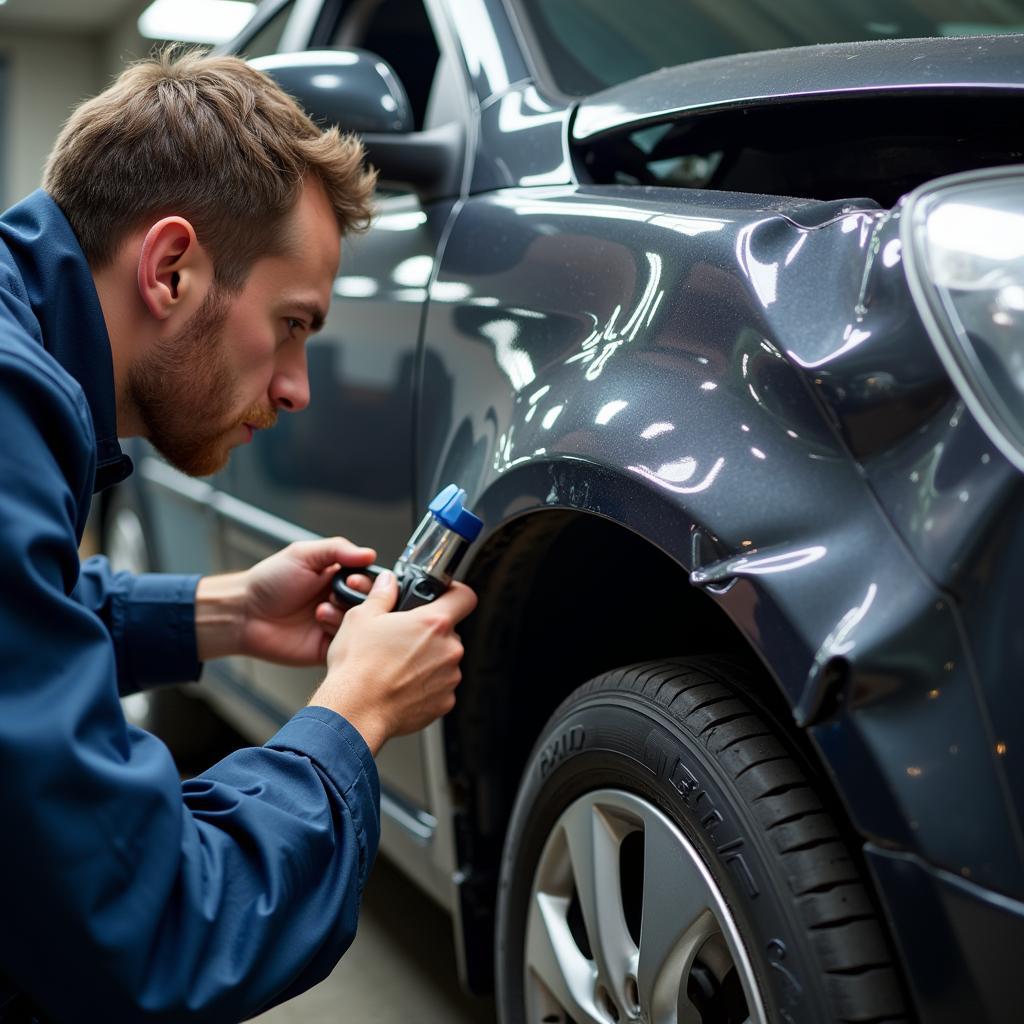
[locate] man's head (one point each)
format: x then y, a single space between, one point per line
210 209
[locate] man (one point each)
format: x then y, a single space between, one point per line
164 284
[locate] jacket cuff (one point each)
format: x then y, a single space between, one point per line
335 746
156 622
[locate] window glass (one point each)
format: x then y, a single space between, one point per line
400 32
267 40
587 45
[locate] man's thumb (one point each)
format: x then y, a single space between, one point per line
383 593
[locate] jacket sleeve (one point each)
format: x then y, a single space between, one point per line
125 894
151 618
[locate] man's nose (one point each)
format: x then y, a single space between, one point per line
289 389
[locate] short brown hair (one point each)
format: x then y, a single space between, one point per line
210 138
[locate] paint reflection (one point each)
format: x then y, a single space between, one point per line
514 361
852 337
838 642
763 277
675 468
656 430
520 111
551 416
603 342
758 565
356 287
689 226
608 411
413 272
484 56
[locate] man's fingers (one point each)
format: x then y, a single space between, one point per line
357 581
382 596
458 602
319 554
328 616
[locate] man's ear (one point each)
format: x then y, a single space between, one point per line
174 271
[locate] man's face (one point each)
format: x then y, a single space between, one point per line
241 357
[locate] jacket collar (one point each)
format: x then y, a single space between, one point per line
60 289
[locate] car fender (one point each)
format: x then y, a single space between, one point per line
600 350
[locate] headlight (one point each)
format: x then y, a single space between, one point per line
963 250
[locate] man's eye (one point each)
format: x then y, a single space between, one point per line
294 325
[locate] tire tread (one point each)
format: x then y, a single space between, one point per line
832 898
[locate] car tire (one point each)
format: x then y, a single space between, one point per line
670 857
195 735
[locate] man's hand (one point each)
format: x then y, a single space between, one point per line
391 673
279 609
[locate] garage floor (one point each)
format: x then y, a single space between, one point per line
400 969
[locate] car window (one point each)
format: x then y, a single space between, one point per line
582 46
267 40
401 33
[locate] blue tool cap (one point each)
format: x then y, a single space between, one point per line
449 509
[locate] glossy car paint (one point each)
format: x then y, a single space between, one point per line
829 72
594 316
680 356
374 99
742 381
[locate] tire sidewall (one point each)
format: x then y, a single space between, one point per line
622 741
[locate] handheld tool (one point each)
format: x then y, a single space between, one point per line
431 557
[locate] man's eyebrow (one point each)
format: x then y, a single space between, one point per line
313 312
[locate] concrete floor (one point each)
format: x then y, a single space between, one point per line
399 970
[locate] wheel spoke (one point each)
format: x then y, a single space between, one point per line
580 883
594 842
552 955
677 921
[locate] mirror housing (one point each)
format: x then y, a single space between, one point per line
360 92
353 89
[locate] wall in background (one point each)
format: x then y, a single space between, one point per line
123 44
48 74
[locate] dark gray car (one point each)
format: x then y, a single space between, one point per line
717 313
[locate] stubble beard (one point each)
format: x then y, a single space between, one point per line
183 388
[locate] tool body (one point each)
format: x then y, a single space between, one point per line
431 557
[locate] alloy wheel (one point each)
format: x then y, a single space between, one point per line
626 923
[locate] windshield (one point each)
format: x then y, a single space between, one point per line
583 46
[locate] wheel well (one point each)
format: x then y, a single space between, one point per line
564 596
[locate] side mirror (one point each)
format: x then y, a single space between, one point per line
360 92
354 89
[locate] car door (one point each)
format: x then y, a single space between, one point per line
345 465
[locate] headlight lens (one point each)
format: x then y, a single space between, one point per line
963 246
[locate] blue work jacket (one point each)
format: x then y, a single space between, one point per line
126 894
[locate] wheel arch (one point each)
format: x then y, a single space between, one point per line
862 650
572 549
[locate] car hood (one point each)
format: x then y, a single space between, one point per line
832 70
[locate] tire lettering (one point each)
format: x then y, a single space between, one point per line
683 781
711 822
738 866
558 749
